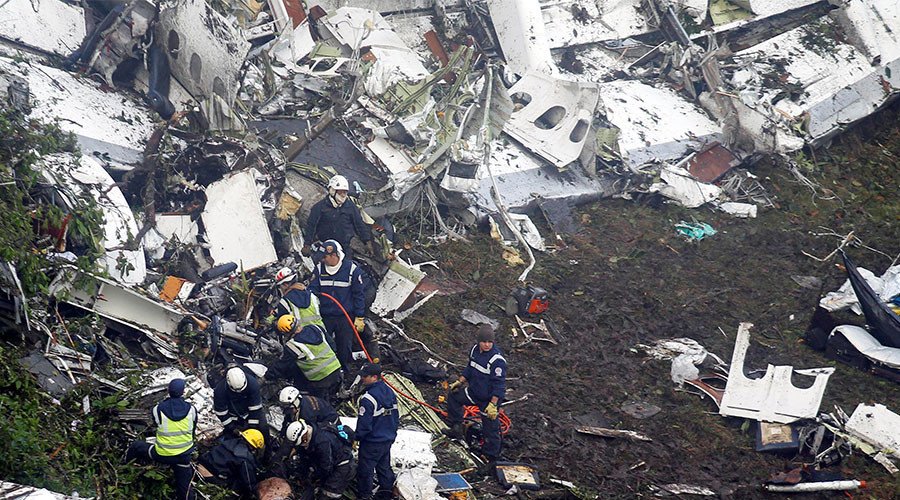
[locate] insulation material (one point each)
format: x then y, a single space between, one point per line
772 398
196 392
117 128
886 286
416 484
233 202
412 450
20 492
47 25
85 177
680 186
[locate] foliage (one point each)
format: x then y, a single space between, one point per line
25 218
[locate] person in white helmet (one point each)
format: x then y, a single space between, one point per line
313 410
336 217
323 456
237 402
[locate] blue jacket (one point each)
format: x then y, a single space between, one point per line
233 461
231 407
300 298
326 452
486 374
378 415
326 222
346 285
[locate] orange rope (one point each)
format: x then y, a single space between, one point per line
469 412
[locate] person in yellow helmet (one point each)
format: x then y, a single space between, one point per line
235 461
308 359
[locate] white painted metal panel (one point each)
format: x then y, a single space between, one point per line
235 224
48 25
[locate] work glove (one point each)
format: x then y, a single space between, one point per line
305 251
455 386
492 411
360 324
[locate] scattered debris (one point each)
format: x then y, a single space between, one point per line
667 490
612 433
694 231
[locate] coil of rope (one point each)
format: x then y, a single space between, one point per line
469 412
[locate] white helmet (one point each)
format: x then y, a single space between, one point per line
284 275
290 396
237 379
338 183
299 432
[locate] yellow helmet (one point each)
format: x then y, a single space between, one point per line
254 437
286 323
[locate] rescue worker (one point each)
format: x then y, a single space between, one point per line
309 358
486 378
176 421
235 461
296 300
313 410
325 454
342 279
336 217
237 402
376 429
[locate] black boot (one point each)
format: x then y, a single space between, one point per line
455 431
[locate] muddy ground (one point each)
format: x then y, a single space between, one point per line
626 278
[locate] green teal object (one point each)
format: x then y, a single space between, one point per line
694 231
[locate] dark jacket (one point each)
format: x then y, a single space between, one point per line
486 374
326 222
300 298
378 415
346 285
317 411
234 462
232 408
326 452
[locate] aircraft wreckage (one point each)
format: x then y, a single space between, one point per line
194 118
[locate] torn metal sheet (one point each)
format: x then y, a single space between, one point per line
356 28
520 30
680 186
48 376
234 202
656 124
196 392
772 398
112 126
552 117
205 50
47 25
396 287
667 490
13 491
612 433
120 304
710 164
293 45
831 83
742 210
575 22
476 318
869 346
765 8
876 425
705 384
85 177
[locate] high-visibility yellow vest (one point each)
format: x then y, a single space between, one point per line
316 361
305 316
174 437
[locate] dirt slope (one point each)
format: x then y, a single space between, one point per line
626 277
